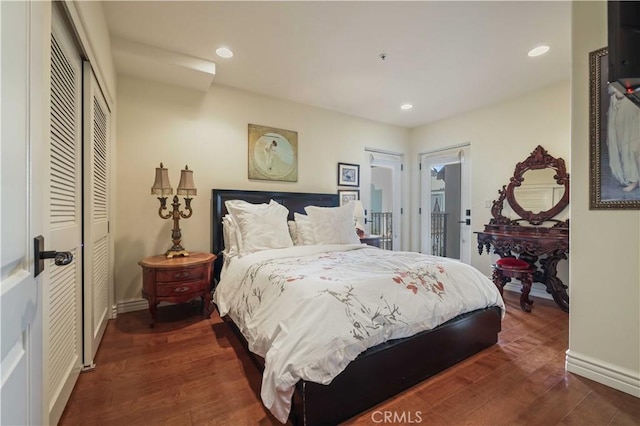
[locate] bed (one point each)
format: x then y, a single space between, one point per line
380 371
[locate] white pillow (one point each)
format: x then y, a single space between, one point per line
262 226
293 232
333 225
229 236
304 231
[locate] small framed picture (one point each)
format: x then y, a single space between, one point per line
347 195
348 174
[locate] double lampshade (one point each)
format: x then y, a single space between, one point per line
162 187
358 215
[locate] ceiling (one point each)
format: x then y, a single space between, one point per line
445 58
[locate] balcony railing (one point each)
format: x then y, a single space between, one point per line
382 224
439 234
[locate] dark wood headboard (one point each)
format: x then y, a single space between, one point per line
294 201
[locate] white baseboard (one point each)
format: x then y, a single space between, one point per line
132 305
537 290
602 372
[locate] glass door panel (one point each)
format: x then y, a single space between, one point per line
445 197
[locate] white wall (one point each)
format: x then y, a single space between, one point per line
208 131
500 135
604 324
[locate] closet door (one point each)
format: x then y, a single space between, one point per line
63 316
96 215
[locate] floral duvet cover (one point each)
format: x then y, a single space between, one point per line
310 310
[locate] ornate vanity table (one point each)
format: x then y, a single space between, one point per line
537 238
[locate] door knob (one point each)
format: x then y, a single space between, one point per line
60 258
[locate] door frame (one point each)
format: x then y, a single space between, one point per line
450 155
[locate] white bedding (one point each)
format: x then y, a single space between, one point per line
310 310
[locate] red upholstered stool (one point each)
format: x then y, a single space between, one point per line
510 267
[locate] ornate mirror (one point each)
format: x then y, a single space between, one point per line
539 170
539 190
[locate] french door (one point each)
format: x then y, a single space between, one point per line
382 197
445 224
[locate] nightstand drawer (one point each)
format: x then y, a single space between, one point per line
178 289
182 274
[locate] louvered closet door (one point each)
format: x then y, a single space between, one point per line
96 215
63 319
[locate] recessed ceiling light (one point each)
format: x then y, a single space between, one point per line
537 51
223 52
406 106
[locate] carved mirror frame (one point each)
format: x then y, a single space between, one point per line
538 160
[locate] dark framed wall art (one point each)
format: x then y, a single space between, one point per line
348 174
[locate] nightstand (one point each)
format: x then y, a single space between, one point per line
371 240
177 280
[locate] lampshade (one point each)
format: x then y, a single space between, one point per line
358 214
186 186
161 186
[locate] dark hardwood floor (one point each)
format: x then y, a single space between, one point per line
190 371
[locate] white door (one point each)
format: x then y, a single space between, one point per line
22 142
382 197
445 215
64 298
96 215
